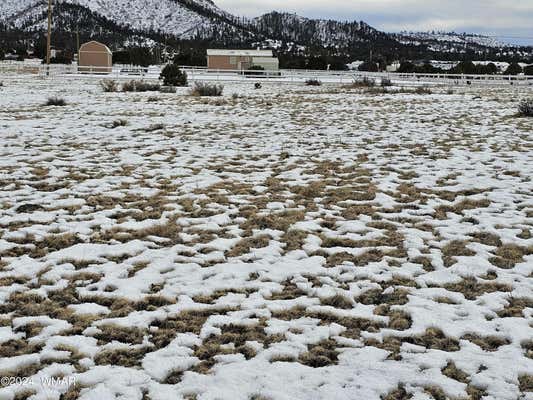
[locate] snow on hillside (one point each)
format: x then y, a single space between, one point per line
452 38
289 243
165 15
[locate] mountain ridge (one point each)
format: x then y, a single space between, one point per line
163 21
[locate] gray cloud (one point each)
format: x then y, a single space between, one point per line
493 17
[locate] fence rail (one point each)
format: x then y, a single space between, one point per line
282 76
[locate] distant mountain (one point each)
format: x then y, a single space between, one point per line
328 33
123 23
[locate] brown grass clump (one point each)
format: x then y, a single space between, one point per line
459 208
454 249
397 394
290 314
354 211
294 239
526 383
282 358
290 292
73 392
426 263
452 372
527 345
217 294
25 394
111 333
508 255
18 347
516 307
310 191
399 320
122 357
320 354
472 289
173 378
139 266
432 338
436 392
376 296
487 343
444 300
238 335
245 245
281 221
354 326
370 256
337 301
487 238
186 321
475 393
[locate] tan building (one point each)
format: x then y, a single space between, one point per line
241 59
95 58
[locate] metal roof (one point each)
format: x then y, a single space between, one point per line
249 53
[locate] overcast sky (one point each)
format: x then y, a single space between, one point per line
493 17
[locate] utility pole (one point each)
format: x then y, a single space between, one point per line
78 44
48 38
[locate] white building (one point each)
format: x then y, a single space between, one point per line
241 59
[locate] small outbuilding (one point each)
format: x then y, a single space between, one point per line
241 59
95 58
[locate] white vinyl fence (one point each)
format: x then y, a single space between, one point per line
123 72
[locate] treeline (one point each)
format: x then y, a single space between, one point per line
467 68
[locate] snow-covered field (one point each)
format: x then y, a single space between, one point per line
281 244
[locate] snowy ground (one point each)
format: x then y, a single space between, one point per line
288 243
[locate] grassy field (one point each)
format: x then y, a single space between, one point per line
288 243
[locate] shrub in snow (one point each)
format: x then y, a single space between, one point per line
140 86
206 89
313 82
109 85
386 82
363 82
56 101
173 76
117 123
525 108
423 90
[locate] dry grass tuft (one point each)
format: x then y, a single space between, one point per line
454 249
338 301
526 383
472 289
452 372
508 255
516 307
487 343
121 357
397 394
245 245
321 354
